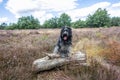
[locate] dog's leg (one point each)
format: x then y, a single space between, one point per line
56 50
69 50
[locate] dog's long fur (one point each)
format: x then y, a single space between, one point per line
64 43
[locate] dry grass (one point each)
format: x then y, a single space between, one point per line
18 49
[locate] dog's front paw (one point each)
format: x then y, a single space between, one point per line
64 55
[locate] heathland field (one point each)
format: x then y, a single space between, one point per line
19 48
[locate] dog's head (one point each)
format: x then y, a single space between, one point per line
66 34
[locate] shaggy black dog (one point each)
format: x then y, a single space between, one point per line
64 42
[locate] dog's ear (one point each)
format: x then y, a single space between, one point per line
61 31
68 27
70 30
62 27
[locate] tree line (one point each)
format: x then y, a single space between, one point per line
100 18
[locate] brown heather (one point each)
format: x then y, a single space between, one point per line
19 48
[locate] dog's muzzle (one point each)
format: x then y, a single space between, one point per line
65 35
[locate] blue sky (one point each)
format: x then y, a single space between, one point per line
11 10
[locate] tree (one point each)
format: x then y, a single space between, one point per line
51 23
99 19
28 22
12 26
78 24
115 21
3 25
64 20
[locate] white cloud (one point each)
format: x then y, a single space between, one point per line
1 1
45 9
114 13
39 14
3 19
41 9
19 6
114 10
42 16
116 5
84 12
57 5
